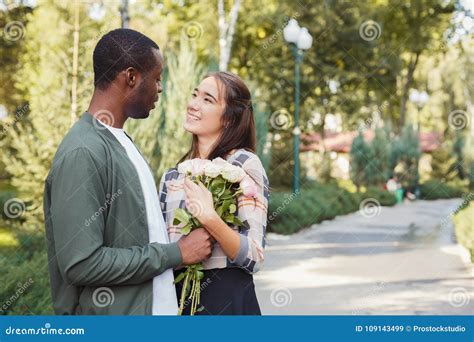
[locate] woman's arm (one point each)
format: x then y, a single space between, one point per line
245 248
227 238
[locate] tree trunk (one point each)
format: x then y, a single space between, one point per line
406 88
75 62
226 32
125 17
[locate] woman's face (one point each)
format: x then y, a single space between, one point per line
205 109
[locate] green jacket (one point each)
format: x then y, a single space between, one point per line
100 258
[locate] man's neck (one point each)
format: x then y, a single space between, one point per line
106 107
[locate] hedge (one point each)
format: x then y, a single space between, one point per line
289 213
436 189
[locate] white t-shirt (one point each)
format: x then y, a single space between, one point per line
164 293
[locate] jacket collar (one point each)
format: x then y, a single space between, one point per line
89 119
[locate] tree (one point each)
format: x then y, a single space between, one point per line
407 166
458 147
468 159
226 31
46 79
380 147
124 14
442 163
13 22
359 159
415 27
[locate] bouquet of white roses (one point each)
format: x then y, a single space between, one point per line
226 182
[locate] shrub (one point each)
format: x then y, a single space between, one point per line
384 197
289 213
464 228
5 196
25 289
435 189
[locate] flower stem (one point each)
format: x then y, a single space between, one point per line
183 293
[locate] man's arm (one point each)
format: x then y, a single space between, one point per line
77 195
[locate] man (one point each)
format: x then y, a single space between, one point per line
108 247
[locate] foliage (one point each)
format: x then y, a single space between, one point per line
380 147
407 166
385 198
289 213
155 135
25 288
280 171
442 162
458 148
263 137
360 157
468 159
324 169
45 79
435 189
463 226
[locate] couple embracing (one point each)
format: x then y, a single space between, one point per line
114 247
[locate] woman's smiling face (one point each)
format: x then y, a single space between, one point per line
205 109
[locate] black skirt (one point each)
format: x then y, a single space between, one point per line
226 291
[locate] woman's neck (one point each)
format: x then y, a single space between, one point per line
205 145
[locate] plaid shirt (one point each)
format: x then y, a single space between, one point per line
252 212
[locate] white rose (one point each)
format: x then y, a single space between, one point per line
185 167
212 170
197 166
220 162
233 173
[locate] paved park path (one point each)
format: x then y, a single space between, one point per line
402 261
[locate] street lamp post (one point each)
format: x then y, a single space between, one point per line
419 98
300 40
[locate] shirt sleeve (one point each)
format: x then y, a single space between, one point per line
253 213
77 192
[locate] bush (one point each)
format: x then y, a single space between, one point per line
5 196
463 226
384 197
435 189
289 213
25 289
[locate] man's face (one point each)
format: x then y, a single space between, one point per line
145 93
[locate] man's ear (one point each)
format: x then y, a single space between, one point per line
131 77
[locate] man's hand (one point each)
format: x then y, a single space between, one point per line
195 247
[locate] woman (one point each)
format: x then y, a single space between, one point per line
220 118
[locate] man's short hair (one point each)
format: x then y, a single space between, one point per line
120 49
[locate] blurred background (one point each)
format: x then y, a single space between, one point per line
362 108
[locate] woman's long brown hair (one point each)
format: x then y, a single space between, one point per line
237 120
